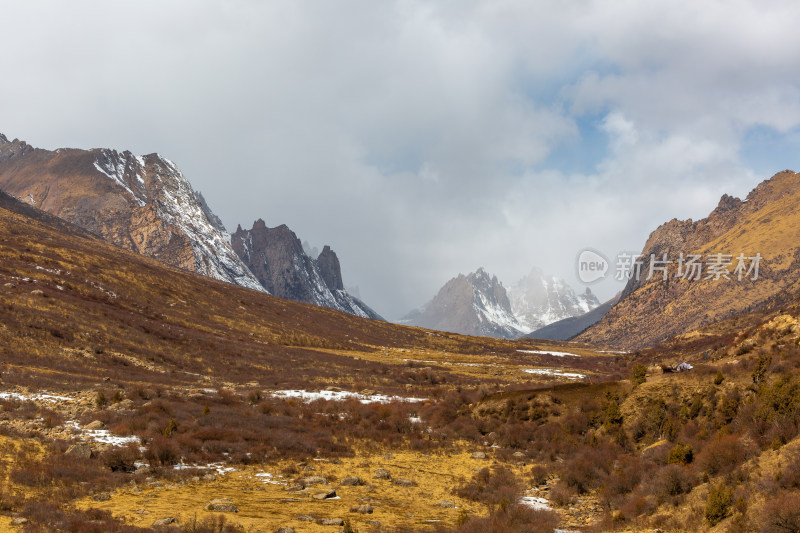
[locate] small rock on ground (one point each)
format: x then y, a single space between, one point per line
382 473
314 480
222 505
80 450
97 424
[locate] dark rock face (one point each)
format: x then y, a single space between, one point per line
329 268
277 259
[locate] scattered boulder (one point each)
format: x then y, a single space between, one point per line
10 285
309 468
97 424
374 523
446 504
352 481
367 392
403 482
332 388
222 505
309 481
519 455
285 529
331 522
304 518
209 477
80 450
102 497
479 455
363 509
19 521
388 456
325 495
165 521
382 473
294 488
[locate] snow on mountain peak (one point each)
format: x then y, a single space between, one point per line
538 300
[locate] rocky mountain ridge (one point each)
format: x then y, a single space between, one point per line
277 259
765 225
146 204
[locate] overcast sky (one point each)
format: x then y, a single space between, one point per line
424 139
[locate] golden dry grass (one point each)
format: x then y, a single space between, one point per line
266 506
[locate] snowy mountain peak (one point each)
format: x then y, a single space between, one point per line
538 300
475 304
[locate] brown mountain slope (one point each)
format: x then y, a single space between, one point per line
767 222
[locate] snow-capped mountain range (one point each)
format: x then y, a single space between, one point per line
146 204
479 304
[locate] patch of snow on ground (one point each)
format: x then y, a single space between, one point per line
415 420
267 478
554 372
40 396
308 396
549 352
219 468
538 504
101 435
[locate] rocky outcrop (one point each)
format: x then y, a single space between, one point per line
329 269
277 259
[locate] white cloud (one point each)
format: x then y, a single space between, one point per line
415 137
